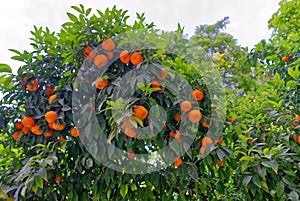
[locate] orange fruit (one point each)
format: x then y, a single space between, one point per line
299 139
220 164
177 162
295 137
16 135
52 98
195 116
175 135
155 84
92 55
87 50
19 125
50 125
202 149
232 120
197 94
285 58
249 139
140 112
25 130
58 178
163 74
110 54
297 117
49 133
186 106
131 155
136 58
74 132
50 90
295 124
28 121
124 57
100 60
33 86
51 116
62 139
101 84
36 130
220 141
108 44
130 132
177 117
204 124
58 127
206 140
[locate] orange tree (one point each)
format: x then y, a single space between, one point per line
89 72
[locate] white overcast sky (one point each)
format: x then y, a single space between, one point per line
248 18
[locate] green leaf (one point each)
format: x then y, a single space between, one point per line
292 73
72 17
123 190
4 68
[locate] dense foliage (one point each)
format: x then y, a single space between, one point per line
45 138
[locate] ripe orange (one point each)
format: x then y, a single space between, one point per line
74 132
177 162
51 116
249 139
131 155
140 112
101 84
58 178
220 164
100 60
204 124
232 120
33 86
19 125
50 90
16 135
297 117
52 98
124 57
36 130
28 122
202 149
285 58
197 94
206 140
175 135
177 117
110 54
130 132
295 124
62 139
155 84
49 133
58 127
186 106
25 130
195 116
88 51
136 58
163 74
220 141
295 137
108 44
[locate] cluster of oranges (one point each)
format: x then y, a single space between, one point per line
295 124
29 124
